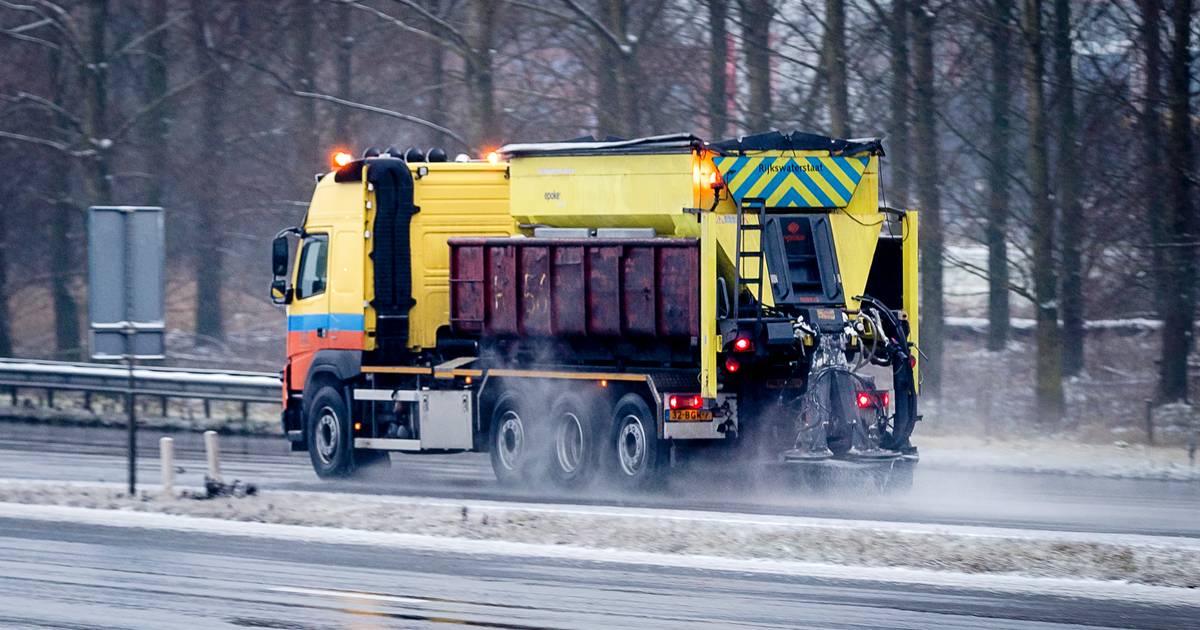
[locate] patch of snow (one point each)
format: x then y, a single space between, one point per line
667 536
1079 587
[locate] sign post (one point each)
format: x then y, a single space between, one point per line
125 295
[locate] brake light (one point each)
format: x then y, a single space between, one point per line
732 365
685 401
742 344
866 400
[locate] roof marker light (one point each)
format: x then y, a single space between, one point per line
341 158
493 157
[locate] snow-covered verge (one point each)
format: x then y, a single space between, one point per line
1058 455
182 418
981 551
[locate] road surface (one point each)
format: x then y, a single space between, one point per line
65 575
940 495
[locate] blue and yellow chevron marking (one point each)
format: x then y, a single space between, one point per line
793 182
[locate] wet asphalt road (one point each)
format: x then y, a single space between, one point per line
940 495
81 577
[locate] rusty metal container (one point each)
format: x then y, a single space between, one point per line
575 288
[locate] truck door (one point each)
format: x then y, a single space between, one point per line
308 315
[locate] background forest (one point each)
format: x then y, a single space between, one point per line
1050 146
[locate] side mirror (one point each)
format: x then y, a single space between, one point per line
279 257
281 293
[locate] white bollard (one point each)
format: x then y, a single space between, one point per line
166 457
212 449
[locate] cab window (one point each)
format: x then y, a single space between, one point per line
314 258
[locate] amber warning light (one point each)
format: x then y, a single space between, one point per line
341 158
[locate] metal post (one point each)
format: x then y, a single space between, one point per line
130 331
166 456
50 398
213 451
1150 422
131 405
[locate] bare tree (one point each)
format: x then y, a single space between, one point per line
718 92
6 346
835 67
210 322
899 101
756 16
1179 281
1000 28
1048 383
1150 128
345 71
1070 209
928 198
157 90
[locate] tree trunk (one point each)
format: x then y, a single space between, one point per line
929 202
1071 211
67 339
96 125
835 67
6 348
481 28
901 92
756 45
1179 214
345 72
157 84
718 44
305 133
1150 121
210 324
1049 344
999 33
439 104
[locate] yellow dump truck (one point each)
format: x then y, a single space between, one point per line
591 309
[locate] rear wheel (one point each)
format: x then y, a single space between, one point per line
574 442
634 452
509 441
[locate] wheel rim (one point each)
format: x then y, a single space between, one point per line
328 435
568 443
510 439
631 445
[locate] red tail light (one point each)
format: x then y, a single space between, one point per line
685 401
866 400
732 365
742 344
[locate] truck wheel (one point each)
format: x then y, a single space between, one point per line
574 442
330 445
633 452
510 440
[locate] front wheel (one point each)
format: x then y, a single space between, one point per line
330 443
634 450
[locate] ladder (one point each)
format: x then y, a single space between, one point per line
753 285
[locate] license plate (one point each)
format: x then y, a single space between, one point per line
690 415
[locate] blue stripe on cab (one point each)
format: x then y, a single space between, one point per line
328 321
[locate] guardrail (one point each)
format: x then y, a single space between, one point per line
157 382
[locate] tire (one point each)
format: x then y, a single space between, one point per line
634 452
327 428
574 440
510 440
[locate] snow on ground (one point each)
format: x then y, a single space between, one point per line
1146 560
1057 455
